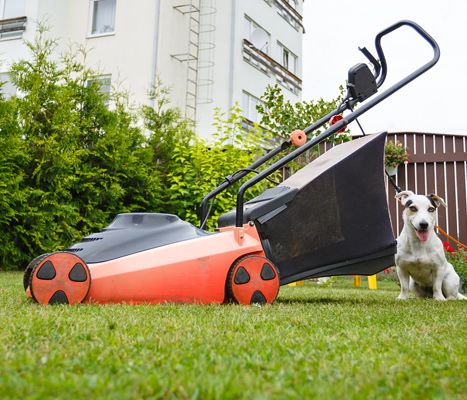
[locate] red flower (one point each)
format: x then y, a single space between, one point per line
448 247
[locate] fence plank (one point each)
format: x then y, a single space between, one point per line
438 164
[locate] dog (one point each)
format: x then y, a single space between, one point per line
420 260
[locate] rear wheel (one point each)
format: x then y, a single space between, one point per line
33 264
253 279
60 277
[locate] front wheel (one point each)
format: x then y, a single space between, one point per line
59 277
253 279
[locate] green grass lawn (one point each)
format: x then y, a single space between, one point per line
338 342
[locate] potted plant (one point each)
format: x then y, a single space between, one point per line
458 259
395 154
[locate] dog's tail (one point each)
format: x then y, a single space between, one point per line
460 297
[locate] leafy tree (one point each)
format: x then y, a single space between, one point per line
167 128
281 117
69 164
192 166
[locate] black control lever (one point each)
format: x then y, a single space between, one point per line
373 61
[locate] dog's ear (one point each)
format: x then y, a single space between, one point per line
404 195
437 200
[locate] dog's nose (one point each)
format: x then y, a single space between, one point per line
423 225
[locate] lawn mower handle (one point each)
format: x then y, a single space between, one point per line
231 179
392 28
350 117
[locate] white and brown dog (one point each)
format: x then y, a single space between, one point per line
420 260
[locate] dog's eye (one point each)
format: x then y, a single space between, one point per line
413 208
431 209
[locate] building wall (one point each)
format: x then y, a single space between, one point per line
150 32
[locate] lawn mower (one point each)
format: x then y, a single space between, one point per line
329 218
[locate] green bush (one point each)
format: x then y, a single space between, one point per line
196 168
458 259
72 157
69 163
281 117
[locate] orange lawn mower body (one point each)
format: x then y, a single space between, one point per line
330 218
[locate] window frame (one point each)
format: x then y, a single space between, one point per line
246 112
92 8
105 82
252 26
14 34
285 52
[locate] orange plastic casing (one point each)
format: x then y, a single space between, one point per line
191 271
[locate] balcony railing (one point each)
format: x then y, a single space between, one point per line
7 26
263 62
289 14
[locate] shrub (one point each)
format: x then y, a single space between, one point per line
193 167
458 260
68 163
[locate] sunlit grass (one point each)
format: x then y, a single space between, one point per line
313 342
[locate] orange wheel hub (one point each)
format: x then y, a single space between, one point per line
253 279
60 278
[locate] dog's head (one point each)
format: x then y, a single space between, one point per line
420 212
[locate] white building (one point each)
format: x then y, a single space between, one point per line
212 53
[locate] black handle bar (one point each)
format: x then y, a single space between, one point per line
349 118
420 31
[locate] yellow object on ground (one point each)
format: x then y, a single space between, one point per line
372 282
299 283
357 281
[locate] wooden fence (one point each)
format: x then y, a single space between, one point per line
438 164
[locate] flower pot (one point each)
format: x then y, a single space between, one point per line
391 170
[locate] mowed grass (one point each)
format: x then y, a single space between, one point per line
338 342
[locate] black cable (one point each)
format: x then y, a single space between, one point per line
345 100
397 188
207 214
358 123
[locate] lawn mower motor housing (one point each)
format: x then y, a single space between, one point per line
329 218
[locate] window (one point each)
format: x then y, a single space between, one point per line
256 35
7 88
249 104
287 59
12 9
289 10
105 85
103 17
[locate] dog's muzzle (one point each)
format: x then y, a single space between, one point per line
423 233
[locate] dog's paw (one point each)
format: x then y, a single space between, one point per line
402 297
440 298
